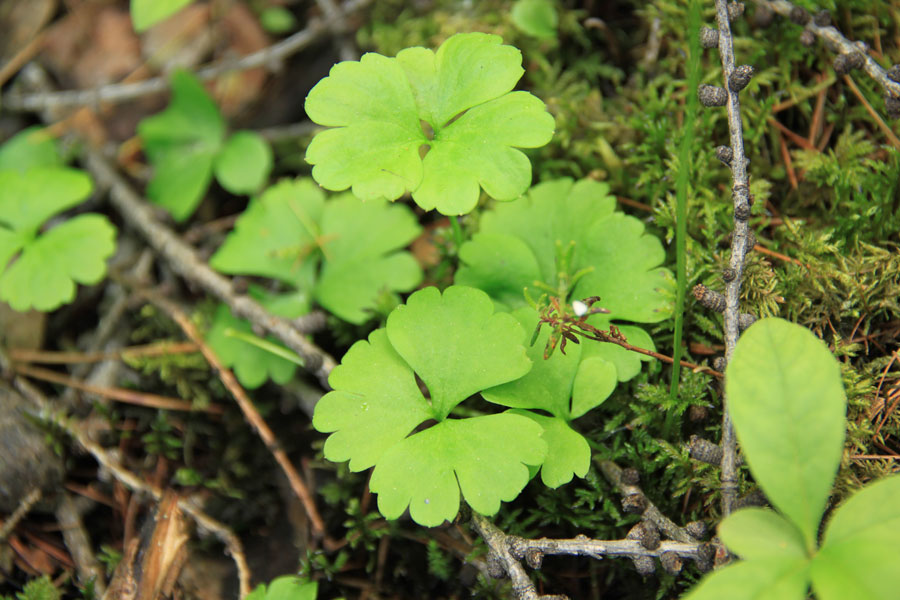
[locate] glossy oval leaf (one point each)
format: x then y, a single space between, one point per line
787 402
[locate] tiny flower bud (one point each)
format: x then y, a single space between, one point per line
634 504
579 308
844 63
631 476
735 10
644 565
740 77
724 154
708 298
799 16
709 38
705 451
807 38
534 558
671 562
892 105
763 16
719 364
712 95
696 529
894 73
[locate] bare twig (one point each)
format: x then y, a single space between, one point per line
22 510
49 357
79 544
269 57
837 40
739 246
185 261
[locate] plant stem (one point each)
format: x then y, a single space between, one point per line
457 232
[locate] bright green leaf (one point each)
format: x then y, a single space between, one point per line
375 403
244 164
484 457
787 402
251 364
182 143
759 533
286 587
768 579
535 17
860 554
456 343
462 92
277 19
31 147
568 453
291 230
147 13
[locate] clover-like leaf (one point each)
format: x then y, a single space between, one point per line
568 452
463 92
182 143
40 271
760 533
859 553
31 147
445 336
773 579
252 364
244 164
344 251
147 13
484 457
457 346
535 17
790 424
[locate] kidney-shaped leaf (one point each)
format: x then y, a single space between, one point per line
377 105
787 402
457 344
754 533
484 457
860 553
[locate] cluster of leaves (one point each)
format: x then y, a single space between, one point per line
187 144
39 269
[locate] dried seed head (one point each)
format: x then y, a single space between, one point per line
697 413
634 504
534 557
712 95
740 77
709 37
671 562
735 10
649 535
728 274
799 16
894 73
861 46
631 476
724 154
495 567
704 451
719 364
745 320
763 16
807 38
705 555
892 105
696 529
822 18
708 298
844 63
742 212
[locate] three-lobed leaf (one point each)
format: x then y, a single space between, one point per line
345 251
463 92
287 587
457 346
787 402
40 270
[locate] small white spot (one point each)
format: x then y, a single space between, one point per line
580 308
427 501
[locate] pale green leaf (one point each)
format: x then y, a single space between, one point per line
768 579
759 533
787 402
535 17
483 457
568 452
31 147
147 13
244 164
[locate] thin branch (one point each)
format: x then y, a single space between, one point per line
270 57
739 246
49 357
600 549
188 264
837 40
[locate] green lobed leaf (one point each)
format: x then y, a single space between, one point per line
251 364
182 143
535 17
568 452
760 533
462 92
787 402
287 587
147 13
457 344
484 457
860 553
45 274
244 164
31 147
291 230
769 579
